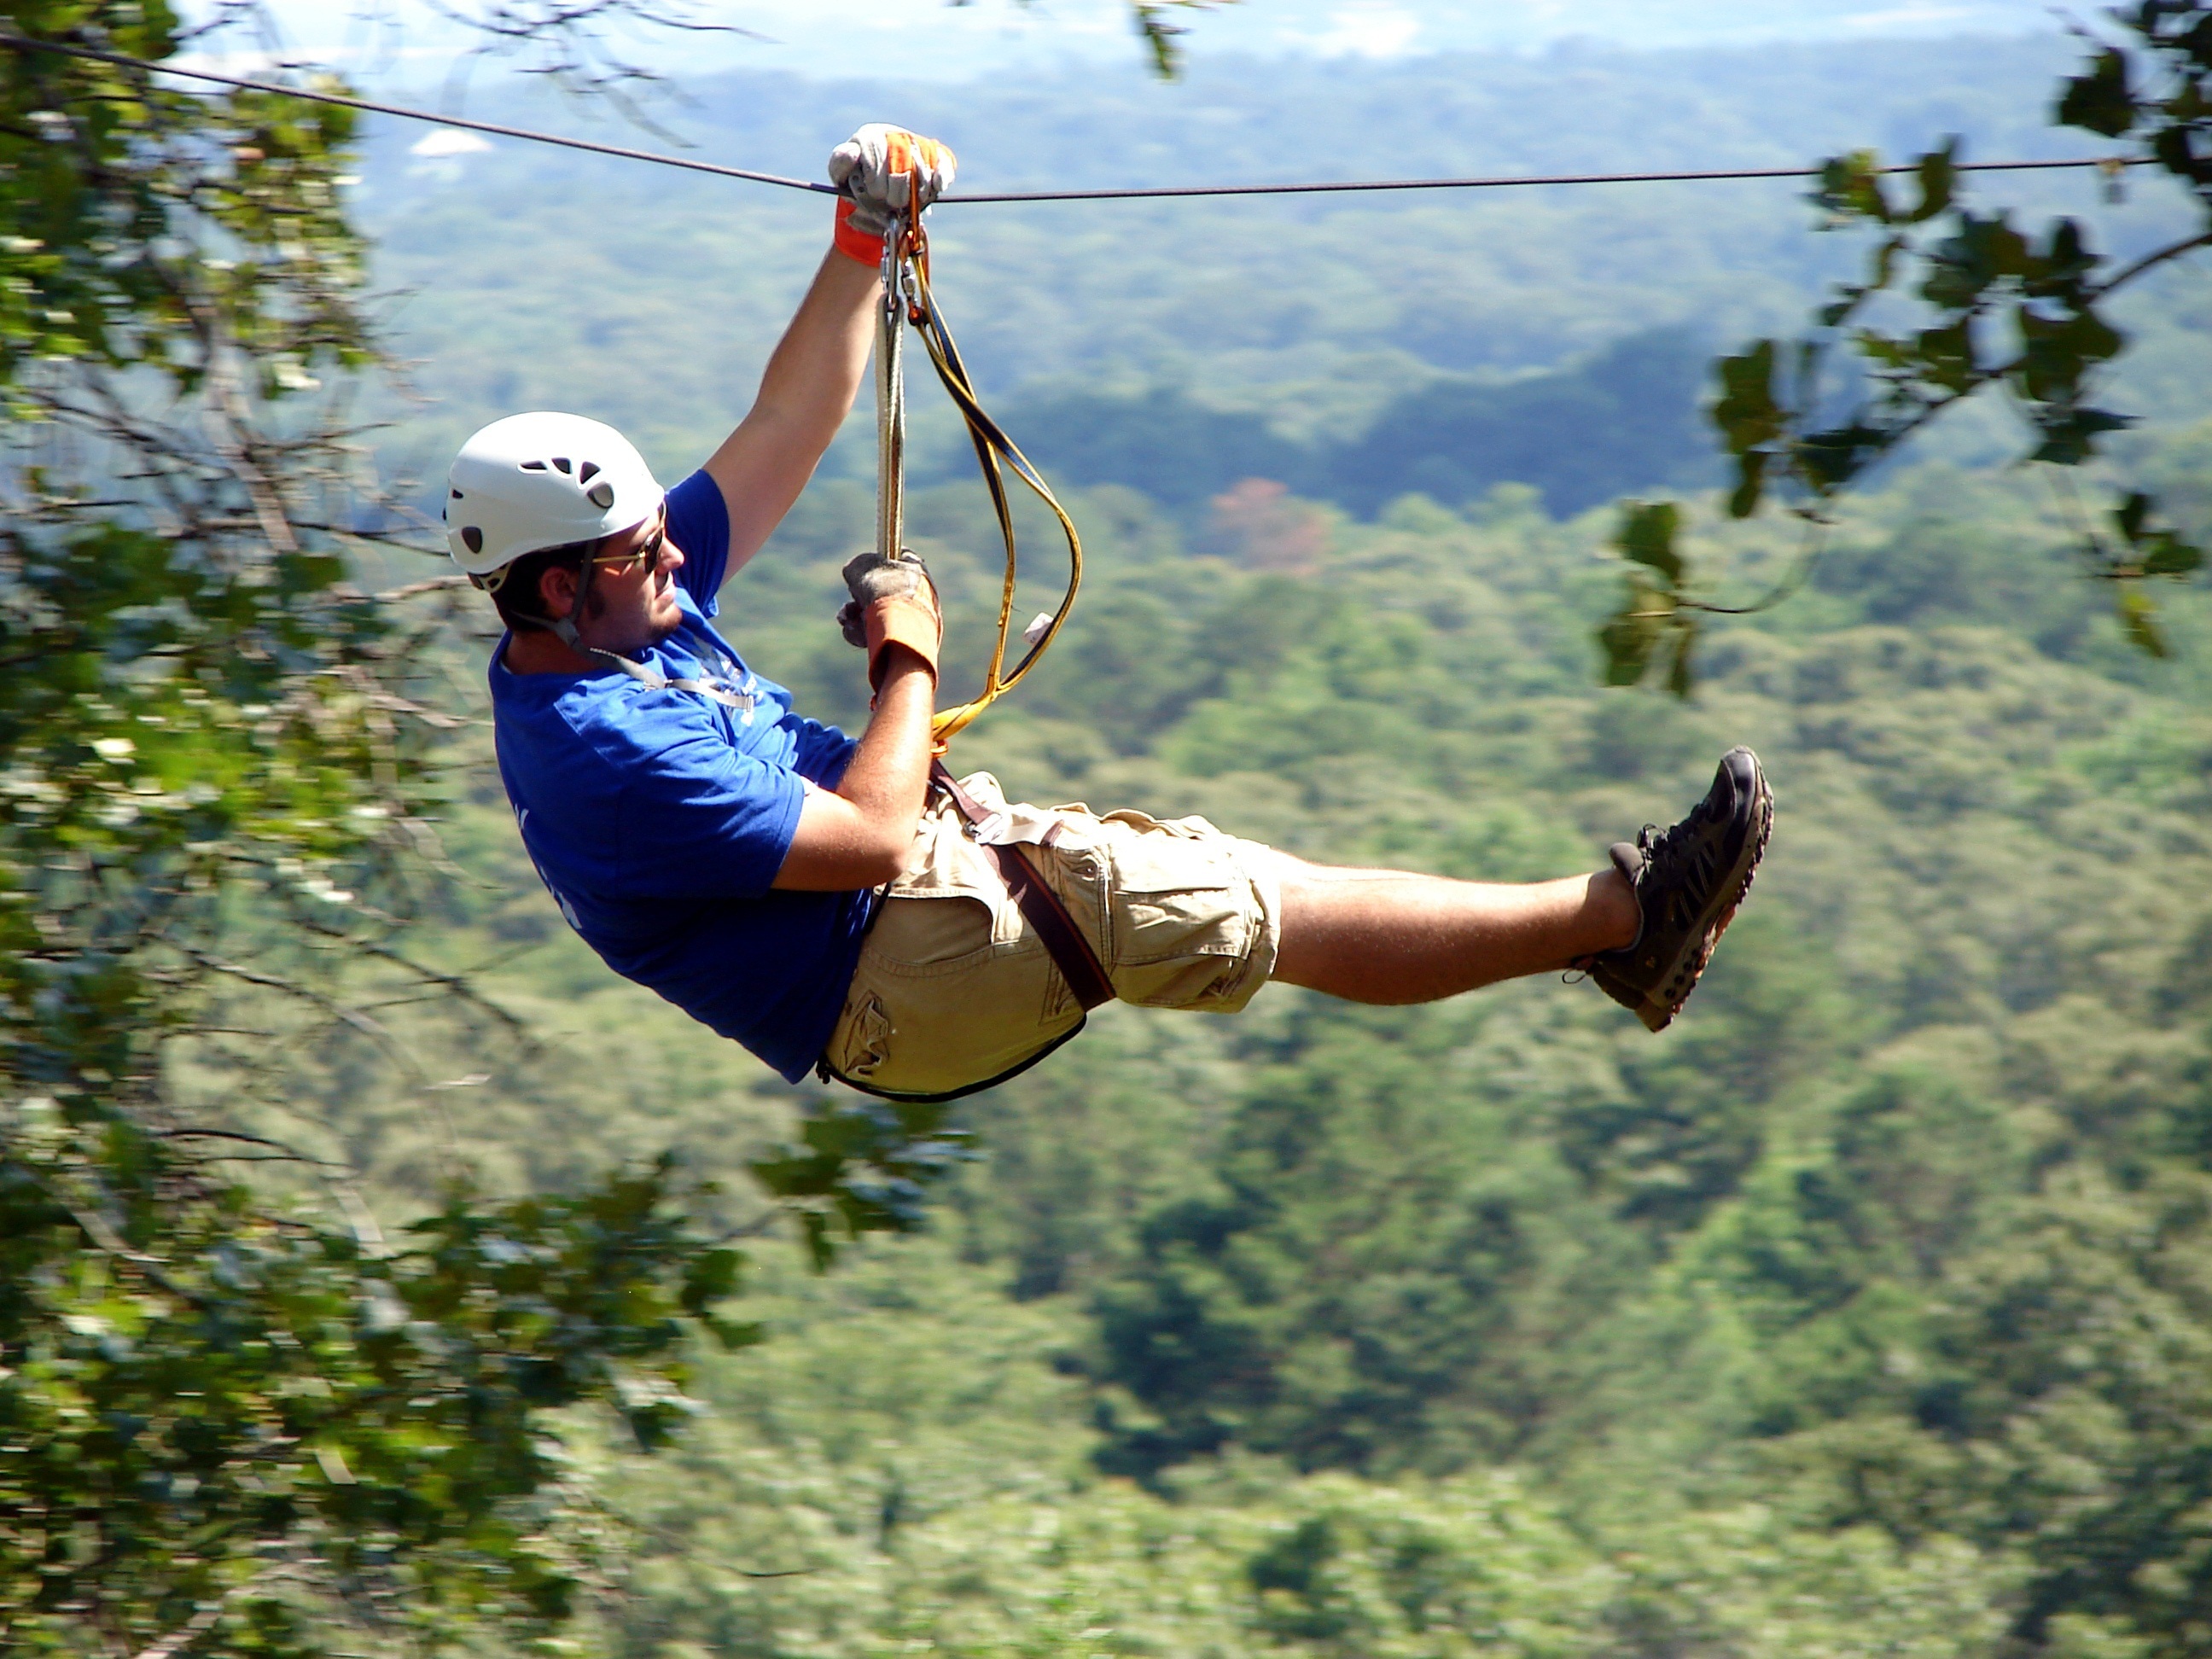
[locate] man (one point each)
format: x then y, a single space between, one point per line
815 897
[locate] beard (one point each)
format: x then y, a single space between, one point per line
595 610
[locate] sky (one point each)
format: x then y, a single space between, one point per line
932 41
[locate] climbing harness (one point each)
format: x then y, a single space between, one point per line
1047 918
908 299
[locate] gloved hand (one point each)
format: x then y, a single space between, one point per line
882 169
894 602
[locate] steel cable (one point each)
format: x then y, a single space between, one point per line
1146 192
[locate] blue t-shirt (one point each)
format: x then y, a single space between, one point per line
658 819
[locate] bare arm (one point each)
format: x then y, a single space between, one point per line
806 393
862 834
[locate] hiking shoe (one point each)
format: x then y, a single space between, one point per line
1688 882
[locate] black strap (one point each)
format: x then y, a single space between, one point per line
1070 952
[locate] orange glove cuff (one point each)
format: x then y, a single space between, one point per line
900 622
917 153
854 243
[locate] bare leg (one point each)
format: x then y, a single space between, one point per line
1385 935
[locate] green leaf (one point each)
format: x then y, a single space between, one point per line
2069 436
730 1334
865 1162
1750 484
1160 36
1946 355
1850 187
1851 297
1829 459
1938 176
711 1277
2067 260
2129 515
1746 412
1681 677
2098 100
2136 614
2176 149
1646 536
1629 636
2170 555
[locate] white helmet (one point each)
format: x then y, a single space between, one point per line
541 480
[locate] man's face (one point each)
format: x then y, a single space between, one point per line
632 601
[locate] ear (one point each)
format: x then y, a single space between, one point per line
556 591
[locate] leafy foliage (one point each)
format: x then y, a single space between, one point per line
1998 307
1857 1314
1160 34
230 1424
863 1167
271 1429
193 695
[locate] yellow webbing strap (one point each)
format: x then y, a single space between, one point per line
907 279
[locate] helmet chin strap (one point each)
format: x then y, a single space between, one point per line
563 628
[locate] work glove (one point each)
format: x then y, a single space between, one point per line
894 602
882 170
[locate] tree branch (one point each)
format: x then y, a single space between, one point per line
2151 261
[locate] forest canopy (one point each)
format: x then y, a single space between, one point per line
1863 1313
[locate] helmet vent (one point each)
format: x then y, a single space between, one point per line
473 537
457 494
603 497
586 473
562 463
533 466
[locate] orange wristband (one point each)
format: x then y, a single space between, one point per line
900 622
854 242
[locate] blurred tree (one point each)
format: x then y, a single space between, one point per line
232 1422
1999 309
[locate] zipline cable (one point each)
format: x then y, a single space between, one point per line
1168 193
23 43
1150 192
907 299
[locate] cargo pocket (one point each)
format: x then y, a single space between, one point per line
1180 918
966 991
862 1042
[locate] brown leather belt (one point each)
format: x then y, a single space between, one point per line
1070 952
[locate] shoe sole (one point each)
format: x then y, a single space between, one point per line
1657 1013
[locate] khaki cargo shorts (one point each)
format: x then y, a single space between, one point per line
954 986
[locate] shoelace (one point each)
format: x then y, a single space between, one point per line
1683 859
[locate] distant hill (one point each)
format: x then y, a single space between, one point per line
1626 418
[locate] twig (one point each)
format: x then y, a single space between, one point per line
435 584
292 1153
2149 261
1808 557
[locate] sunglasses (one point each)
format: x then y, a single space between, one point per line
646 553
